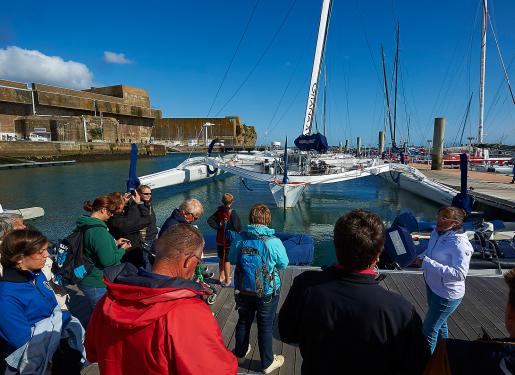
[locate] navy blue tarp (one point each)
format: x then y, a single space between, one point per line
315 142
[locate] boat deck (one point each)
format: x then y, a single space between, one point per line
482 308
492 189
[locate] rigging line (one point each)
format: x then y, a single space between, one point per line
265 51
463 122
497 93
500 58
396 77
233 56
442 85
290 80
406 111
387 95
346 85
378 75
469 53
299 90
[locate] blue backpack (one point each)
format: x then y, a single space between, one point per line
252 276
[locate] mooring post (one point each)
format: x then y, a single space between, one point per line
381 143
437 153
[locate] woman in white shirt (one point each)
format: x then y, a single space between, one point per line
445 263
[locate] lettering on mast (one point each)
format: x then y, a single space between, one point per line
311 108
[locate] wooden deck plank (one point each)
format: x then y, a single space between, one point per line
482 306
287 350
490 309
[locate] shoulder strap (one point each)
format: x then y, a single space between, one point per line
84 228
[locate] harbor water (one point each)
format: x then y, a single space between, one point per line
62 190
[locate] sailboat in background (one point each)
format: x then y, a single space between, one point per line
290 172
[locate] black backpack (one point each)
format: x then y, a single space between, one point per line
70 266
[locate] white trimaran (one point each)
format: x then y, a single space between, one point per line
290 173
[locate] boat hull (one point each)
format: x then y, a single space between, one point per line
421 187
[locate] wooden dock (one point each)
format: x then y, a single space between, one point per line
491 189
35 164
482 308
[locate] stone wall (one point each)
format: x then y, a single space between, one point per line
55 149
246 135
19 85
71 129
131 95
53 98
228 129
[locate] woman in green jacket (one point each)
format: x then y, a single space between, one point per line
100 248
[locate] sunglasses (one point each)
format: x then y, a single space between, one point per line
193 216
146 193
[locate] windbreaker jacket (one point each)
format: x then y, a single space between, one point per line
446 263
234 222
100 249
155 325
26 298
128 224
347 323
175 218
278 257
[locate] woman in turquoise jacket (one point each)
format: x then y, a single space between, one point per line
265 306
100 247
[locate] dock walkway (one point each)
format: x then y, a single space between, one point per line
36 164
482 308
492 189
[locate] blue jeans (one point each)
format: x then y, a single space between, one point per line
265 308
92 294
435 325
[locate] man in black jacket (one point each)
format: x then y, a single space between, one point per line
343 321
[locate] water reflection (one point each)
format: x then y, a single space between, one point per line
62 190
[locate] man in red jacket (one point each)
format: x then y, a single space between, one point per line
156 322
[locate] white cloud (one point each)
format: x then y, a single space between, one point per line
116 58
25 65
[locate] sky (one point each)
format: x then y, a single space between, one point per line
253 59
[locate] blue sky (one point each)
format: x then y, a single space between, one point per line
179 51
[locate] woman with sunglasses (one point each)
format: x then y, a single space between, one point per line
445 263
100 247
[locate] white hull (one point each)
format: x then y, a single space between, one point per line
186 172
26 213
288 195
420 185
502 169
253 168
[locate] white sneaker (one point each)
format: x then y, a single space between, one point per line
276 363
244 358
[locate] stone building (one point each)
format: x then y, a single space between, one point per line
192 131
112 114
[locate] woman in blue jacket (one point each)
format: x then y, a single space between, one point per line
26 295
445 263
265 306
